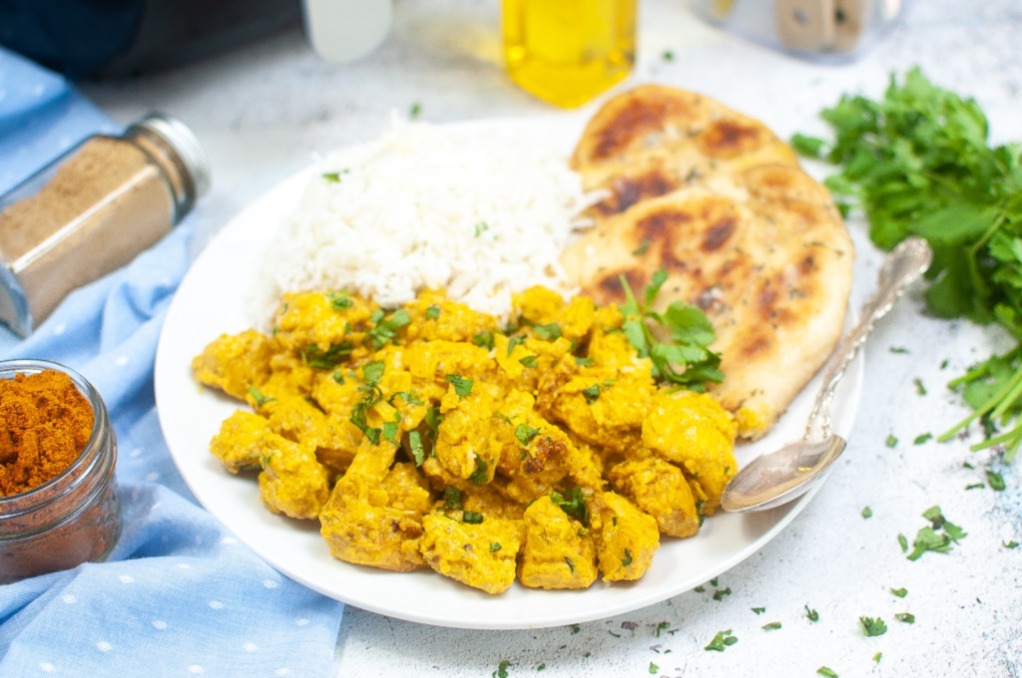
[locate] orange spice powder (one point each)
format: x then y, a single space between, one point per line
45 423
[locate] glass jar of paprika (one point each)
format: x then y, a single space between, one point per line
58 492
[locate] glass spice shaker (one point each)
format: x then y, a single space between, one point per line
91 211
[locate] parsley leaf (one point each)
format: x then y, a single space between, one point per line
685 358
462 386
525 433
873 626
722 641
574 504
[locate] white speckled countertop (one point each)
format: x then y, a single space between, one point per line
263 111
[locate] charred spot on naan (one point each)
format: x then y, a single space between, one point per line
626 191
731 137
637 119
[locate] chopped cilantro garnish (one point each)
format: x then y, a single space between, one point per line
812 615
922 438
314 356
719 594
591 393
661 627
891 440
900 592
721 641
920 389
386 328
903 543
495 546
867 512
996 480
906 617
653 668
627 560
483 340
549 332
512 342
339 300
452 498
525 433
529 360
258 398
571 565
759 610
390 431
583 362
772 626
433 312
471 517
873 626
371 372
462 386
416 448
827 672
641 249
938 536
1010 544
574 504
479 476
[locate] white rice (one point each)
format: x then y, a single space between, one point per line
467 208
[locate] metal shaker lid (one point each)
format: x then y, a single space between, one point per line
189 154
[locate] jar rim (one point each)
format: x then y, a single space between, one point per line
100 421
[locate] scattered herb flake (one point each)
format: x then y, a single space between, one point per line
661 627
827 671
529 360
525 433
591 393
996 480
548 332
416 448
772 626
975 486
433 312
903 543
899 349
891 440
414 111
479 476
574 504
495 546
339 301
873 626
900 592
920 388
722 641
483 340
1010 544
812 615
906 617
719 594
471 517
877 656
759 610
641 249
258 398
867 512
922 438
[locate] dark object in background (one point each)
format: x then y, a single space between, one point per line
113 38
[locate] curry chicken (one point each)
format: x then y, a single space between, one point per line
537 450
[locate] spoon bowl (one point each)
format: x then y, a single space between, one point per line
786 474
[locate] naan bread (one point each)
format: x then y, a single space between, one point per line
721 203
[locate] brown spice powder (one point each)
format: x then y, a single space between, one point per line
45 423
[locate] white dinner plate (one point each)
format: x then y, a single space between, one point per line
214 297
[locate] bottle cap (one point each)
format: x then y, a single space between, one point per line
188 153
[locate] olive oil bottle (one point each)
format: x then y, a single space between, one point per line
568 51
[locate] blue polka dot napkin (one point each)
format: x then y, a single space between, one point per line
179 595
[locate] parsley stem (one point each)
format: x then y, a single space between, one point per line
998 400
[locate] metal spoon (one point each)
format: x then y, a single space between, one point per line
779 477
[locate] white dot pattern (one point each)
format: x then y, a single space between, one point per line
159 624
103 646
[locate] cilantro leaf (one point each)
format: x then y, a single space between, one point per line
873 626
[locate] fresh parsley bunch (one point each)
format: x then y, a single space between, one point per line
918 162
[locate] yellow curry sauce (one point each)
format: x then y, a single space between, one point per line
430 435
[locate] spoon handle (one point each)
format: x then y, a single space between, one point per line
902 266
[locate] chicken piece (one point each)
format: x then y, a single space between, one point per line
406 490
481 555
661 490
550 316
523 361
557 552
239 444
357 521
462 442
292 482
695 432
603 406
626 537
323 327
234 362
434 316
